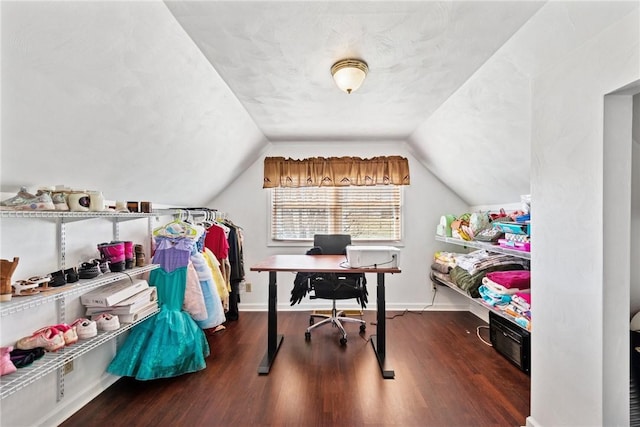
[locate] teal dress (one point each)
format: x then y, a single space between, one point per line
170 343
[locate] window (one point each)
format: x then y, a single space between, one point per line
364 212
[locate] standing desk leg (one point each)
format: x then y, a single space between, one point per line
379 341
273 339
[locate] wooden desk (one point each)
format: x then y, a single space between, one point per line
321 264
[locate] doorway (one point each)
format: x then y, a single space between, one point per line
621 285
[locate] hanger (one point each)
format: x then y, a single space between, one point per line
176 228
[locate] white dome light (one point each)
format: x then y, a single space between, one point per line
349 74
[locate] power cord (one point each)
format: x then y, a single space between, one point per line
482 339
128 275
435 292
345 264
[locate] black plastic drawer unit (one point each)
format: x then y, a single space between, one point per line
511 341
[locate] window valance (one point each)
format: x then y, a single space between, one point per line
335 171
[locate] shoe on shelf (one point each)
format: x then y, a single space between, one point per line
42 281
58 278
114 253
22 195
117 267
48 338
85 328
107 322
89 270
69 334
22 358
104 265
140 256
25 287
60 201
6 365
129 258
25 201
71 275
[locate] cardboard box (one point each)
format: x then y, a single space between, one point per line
144 311
112 294
127 306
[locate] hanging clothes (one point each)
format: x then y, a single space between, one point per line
170 343
215 310
237 269
217 244
218 277
216 241
193 298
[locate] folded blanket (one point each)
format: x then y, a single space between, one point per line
482 260
441 267
491 298
511 279
471 282
446 257
499 288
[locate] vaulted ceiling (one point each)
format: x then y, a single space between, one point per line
276 58
191 92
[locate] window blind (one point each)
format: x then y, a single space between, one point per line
365 212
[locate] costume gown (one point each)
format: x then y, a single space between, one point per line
170 343
212 300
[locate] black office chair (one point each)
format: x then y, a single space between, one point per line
335 286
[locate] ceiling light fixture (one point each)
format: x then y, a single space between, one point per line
349 74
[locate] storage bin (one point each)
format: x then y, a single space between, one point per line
518 246
512 227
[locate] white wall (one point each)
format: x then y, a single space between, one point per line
567 189
114 96
489 116
425 200
635 209
34 242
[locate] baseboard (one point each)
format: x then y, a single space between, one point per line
66 409
531 422
349 306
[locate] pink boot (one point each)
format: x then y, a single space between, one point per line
129 258
114 253
128 254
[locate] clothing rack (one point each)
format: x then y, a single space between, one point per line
197 214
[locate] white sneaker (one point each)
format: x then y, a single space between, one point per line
107 322
85 328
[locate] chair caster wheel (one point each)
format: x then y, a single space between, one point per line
363 328
343 341
311 322
307 336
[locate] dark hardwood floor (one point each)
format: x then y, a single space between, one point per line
445 376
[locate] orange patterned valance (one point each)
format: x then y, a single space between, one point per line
335 171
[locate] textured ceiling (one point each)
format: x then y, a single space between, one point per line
113 95
276 57
127 85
